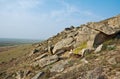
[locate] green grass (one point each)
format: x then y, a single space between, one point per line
16 52
78 49
109 45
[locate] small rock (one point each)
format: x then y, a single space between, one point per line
99 48
50 48
60 52
84 61
112 61
38 75
41 56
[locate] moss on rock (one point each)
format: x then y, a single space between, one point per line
79 49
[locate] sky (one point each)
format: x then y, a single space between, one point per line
41 19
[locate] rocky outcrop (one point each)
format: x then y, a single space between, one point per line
85 52
79 42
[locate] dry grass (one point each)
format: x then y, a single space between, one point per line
19 51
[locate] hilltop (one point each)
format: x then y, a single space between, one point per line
90 51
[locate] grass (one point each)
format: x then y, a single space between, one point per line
16 52
78 49
109 45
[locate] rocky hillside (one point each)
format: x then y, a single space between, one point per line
90 51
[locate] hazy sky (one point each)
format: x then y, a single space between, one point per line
40 19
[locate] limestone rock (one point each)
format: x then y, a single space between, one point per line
84 61
64 44
50 48
99 48
58 67
46 61
41 56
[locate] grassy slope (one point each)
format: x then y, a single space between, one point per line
16 52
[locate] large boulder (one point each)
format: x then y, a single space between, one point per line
64 44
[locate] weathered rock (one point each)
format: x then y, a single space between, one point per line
50 48
99 48
46 61
90 44
100 38
58 67
81 38
60 52
101 27
84 61
41 56
64 44
38 75
107 28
